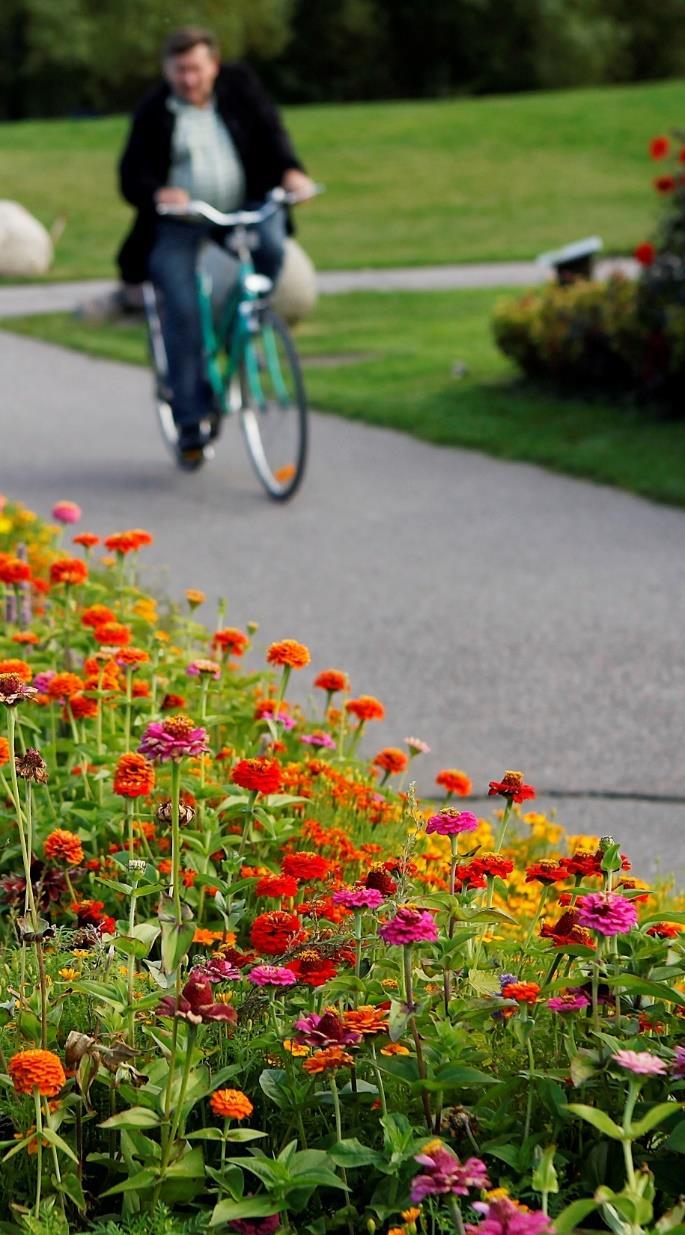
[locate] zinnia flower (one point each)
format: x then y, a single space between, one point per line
547 872
358 898
332 680
271 975
659 147
134 776
443 1173
312 969
230 640
328 1060
326 1030
391 760
32 766
571 1001
276 886
678 1065
175 738
409 926
66 512
664 184
449 822
366 1020
288 652
645 253
504 1217
664 930
128 542
365 707
522 992
37 1069
453 780
306 866
69 570
21 667
272 933
641 1063
417 747
112 634
87 540
607 913
64 846
262 775
318 738
14 691
512 787
196 1003
231 1104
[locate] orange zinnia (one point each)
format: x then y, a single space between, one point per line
231 1104
522 992
19 667
87 540
391 759
230 639
68 570
26 637
262 775
128 542
113 634
4 750
64 846
134 776
454 781
64 685
366 707
366 1019
288 652
13 570
39 1070
128 657
327 1060
332 680
95 615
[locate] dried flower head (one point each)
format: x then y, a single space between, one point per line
32 766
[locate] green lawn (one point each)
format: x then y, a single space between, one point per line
399 351
408 183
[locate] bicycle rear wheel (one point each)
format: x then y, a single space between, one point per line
273 412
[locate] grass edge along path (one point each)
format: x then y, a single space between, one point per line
395 360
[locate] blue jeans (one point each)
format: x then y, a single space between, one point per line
172 268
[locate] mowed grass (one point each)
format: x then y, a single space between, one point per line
393 360
407 182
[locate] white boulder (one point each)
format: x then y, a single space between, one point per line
25 245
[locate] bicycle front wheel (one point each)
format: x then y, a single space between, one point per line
273 412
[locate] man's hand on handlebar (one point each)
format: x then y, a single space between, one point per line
296 182
172 197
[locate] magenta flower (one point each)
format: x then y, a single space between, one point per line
358 898
43 680
318 739
216 969
66 512
256 1226
503 1217
175 738
196 1004
607 913
641 1063
271 975
570 1001
327 1030
450 822
409 926
678 1065
443 1173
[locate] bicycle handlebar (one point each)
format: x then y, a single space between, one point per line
238 218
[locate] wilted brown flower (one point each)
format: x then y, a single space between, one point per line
186 812
13 690
32 766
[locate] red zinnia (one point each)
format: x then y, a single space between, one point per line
262 775
664 184
306 866
68 570
511 786
546 872
112 634
312 969
332 680
366 707
645 253
272 933
453 780
230 639
659 147
276 885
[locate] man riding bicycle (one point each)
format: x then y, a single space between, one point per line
207 132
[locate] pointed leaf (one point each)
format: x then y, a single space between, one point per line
599 1119
653 1118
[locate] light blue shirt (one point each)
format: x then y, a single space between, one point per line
204 160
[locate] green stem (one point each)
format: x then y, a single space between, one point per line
338 1132
456 1214
538 915
176 839
529 1102
631 1099
39 1143
420 1062
379 1080
505 824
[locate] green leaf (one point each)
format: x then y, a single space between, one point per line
135 1117
657 1115
176 940
241 1135
52 1138
351 1153
453 1076
190 1165
398 1020
544 1172
205 1134
134 1183
484 982
582 1067
253 1207
71 1186
643 986
599 1119
676 1140
273 1083
572 1215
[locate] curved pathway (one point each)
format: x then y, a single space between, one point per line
508 616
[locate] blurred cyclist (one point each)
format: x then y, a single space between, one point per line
206 132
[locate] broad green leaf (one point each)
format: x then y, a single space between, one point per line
134 1183
253 1207
599 1119
572 1216
643 986
135 1117
52 1138
351 1153
657 1115
484 982
71 1186
676 1140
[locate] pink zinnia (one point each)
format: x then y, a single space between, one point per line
642 1063
607 913
66 512
271 975
572 1001
175 738
443 1173
451 822
409 926
678 1065
502 1217
328 1029
318 739
43 680
417 747
358 898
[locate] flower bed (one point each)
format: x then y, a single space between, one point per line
617 335
249 982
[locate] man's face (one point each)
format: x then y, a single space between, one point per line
192 74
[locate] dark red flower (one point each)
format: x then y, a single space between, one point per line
659 147
312 969
664 184
547 872
512 787
645 253
273 933
196 1004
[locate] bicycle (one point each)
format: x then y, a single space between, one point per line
251 362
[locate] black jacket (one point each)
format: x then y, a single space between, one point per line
261 142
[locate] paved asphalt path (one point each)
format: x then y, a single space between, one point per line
63 297
508 616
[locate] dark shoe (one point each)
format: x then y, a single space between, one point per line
190 449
